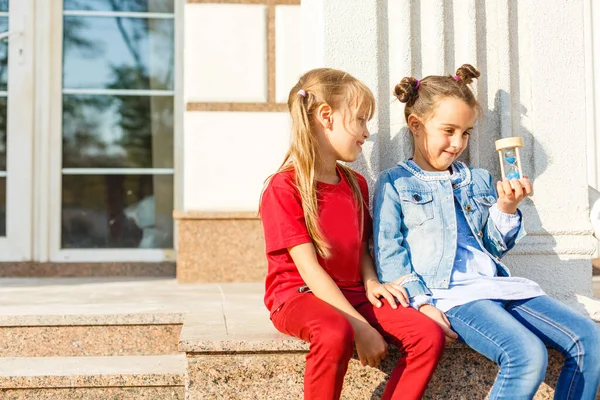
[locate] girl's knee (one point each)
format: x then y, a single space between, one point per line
528 358
537 360
436 338
334 337
430 338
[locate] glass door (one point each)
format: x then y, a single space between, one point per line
114 179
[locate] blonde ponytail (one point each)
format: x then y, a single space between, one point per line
337 89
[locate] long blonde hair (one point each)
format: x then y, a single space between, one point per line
341 91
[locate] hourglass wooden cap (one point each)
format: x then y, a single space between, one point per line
509 142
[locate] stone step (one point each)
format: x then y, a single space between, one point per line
88 340
234 352
136 377
64 317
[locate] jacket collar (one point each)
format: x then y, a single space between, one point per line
460 177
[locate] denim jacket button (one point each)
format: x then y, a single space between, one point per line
454 186
468 208
480 234
416 197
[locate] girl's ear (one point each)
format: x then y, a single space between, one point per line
324 115
414 124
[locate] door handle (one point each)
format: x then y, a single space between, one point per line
7 34
14 34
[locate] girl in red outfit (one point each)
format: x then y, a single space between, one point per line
321 285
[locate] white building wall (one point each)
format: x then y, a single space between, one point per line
227 155
288 52
225 53
533 85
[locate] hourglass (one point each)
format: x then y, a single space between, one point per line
510 159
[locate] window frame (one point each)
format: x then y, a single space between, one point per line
17 244
50 211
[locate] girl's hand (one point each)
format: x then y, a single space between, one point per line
510 193
370 346
439 317
376 290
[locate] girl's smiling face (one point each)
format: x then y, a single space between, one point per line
442 137
348 134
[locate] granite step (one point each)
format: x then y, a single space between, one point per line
88 340
90 378
234 352
64 317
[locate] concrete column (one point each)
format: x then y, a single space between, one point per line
551 102
353 38
532 85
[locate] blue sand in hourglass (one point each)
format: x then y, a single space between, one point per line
511 159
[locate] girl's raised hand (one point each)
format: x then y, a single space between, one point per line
511 192
376 290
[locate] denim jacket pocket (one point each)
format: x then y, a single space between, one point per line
417 206
485 201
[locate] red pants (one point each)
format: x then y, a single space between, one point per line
331 339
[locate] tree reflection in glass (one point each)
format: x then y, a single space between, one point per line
152 6
116 211
3 115
2 206
104 52
3 56
3 144
118 130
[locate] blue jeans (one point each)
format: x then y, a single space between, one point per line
514 334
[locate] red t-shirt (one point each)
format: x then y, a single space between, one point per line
284 227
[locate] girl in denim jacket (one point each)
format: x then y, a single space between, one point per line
440 230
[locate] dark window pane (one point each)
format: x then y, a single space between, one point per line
117 131
117 211
3 103
2 206
3 5
3 56
160 6
118 53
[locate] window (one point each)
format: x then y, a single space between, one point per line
117 124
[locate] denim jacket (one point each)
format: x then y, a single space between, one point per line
415 232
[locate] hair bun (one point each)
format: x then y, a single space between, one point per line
406 90
467 73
